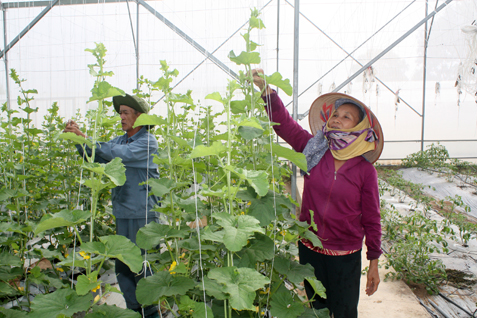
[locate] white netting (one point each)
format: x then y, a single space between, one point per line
467 78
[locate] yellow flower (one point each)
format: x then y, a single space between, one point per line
256 308
96 288
84 255
21 159
21 289
59 269
66 255
265 291
183 255
173 265
249 203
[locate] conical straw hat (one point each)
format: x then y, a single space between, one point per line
322 108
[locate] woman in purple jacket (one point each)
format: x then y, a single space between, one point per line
341 188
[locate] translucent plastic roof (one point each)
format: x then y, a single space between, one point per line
51 55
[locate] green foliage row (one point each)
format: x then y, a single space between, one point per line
412 238
228 234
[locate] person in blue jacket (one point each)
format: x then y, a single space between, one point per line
132 206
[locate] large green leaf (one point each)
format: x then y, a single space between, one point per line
76 139
151 289
297 158
240 284
9 259
14 227
256 23
181 142
117 246
294 271
152 234
104 90
61 301
213 288
239 106
309 235
260 249
250 128
203 151
198 309
284 306
109 122
215 96
116 171
263 208
181 98
249 133
108 311
85 283
7 273
257 179
276 80
190 204
237 230
6 194
250 122
317 286
161 186
62 218
10 313
149 120
245 58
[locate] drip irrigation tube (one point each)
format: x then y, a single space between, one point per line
429 310
455 304
439 310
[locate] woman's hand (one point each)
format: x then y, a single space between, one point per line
260 82
373 277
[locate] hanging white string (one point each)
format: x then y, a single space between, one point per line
74 228
145 263
270 120
197 222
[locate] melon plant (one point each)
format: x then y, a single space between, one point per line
226 245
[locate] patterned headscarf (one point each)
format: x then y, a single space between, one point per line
343 143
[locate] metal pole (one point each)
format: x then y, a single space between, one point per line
28 27
137 48
296 37
278 41
278 31
424 77
433 13
189 40
5 57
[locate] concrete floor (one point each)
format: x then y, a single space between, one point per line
393 299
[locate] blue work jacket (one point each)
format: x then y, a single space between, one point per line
129 200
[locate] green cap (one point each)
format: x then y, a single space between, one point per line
133 101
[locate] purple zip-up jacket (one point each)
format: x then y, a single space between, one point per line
345 202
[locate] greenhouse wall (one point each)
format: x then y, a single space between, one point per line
51 57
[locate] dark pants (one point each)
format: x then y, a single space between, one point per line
126 278
340 275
